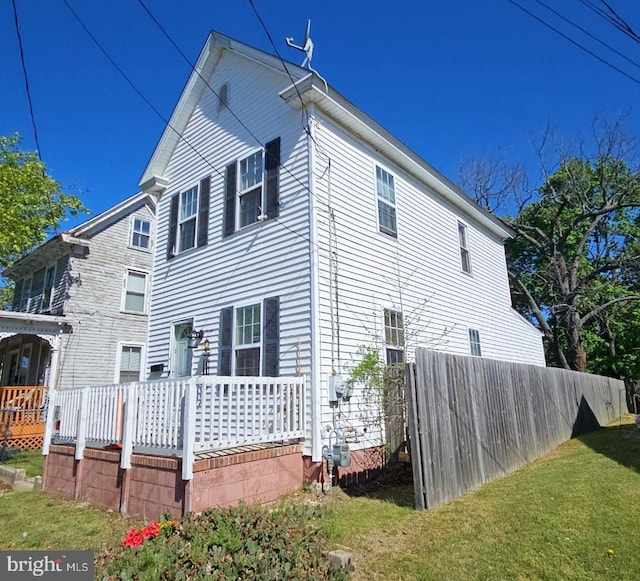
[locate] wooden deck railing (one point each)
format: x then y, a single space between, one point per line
21 421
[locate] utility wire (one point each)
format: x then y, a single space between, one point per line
616 22
155 110
621 21
208 85
575 43
26 78
593 36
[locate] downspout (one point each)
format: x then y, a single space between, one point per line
316 407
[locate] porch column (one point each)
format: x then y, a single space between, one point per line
52 379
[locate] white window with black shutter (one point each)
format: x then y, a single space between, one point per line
189 218
249 341
252 188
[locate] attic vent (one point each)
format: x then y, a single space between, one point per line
223 97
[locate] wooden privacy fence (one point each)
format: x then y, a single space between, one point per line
181 417
21 424
472 420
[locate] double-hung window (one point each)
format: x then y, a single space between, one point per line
394 336
130 363
386 191
141 233
25 296
465 260
135 292
474 343
49 285
248 340
187 219
250 199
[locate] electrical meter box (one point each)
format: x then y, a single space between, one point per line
337 386
341 455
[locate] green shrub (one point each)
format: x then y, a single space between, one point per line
247 542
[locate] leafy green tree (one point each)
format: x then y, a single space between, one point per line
576 249
32 204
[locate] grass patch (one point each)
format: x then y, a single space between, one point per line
557 518
32 462
53 523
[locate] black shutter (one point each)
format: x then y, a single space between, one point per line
230 200
272 167
225 341
173 226
271 331
203 211
17 295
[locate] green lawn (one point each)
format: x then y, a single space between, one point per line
32 462
573 514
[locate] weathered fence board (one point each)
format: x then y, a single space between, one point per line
473 420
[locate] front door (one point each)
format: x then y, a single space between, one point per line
181 357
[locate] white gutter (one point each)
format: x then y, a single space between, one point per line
316 404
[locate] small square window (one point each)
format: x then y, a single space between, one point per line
474 343
141 233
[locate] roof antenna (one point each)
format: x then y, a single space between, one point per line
307 47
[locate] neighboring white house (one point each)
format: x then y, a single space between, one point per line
80 309
293 230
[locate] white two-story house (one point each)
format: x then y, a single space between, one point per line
293 231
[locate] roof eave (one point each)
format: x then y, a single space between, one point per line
314 90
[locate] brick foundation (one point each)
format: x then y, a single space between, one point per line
154 484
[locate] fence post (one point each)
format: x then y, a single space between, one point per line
83 412
189 429
51 412
129 426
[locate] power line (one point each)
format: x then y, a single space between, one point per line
155 110
26 79
575 43
621 21
208 85
593 36
615 21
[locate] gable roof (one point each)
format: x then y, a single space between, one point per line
308 88
79 235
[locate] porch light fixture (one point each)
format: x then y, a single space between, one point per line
194 338
207 347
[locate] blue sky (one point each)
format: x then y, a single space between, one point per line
453 80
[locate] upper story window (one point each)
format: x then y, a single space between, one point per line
474 343
141 233
465 260
394 336
249 342
48 290
223 97
189 219
252 187
135 292
386 191
25 295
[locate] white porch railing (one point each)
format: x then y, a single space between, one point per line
179 416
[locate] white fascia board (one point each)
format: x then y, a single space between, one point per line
115 212
314 90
